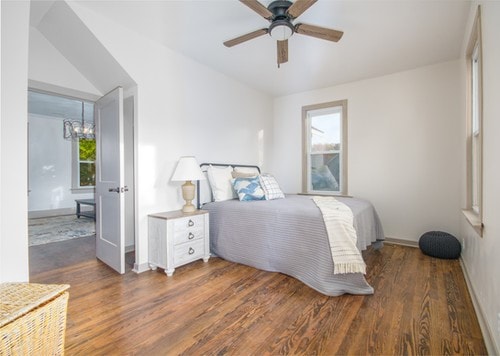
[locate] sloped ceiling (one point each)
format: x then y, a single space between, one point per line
380 37
69 35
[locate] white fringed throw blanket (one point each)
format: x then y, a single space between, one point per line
338 220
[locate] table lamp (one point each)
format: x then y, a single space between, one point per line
188 170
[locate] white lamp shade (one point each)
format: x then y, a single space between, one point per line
187 169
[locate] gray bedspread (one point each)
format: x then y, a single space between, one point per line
289 236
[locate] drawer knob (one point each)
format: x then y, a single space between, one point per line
191 222
190 236
191 250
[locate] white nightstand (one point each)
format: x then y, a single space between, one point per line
177 238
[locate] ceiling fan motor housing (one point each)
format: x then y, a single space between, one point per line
281 27
278 8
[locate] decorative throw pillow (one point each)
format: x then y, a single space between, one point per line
220 182
271 188
248 189
243 175
252 170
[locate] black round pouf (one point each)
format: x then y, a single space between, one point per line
440 244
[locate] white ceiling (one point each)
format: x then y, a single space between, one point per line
380 37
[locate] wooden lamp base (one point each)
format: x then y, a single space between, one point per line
188 194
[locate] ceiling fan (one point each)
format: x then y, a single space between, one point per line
281 14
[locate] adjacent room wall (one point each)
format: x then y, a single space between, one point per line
481 255
50 169
403 138
13 142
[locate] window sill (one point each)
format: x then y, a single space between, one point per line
82 190
474 220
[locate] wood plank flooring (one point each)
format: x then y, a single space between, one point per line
421 306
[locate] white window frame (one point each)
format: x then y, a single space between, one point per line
474 128
308 112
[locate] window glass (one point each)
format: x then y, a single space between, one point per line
325 149
475 158
86 162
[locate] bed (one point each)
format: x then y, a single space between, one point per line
289 236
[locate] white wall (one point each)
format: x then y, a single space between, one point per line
50 162
183 108
403 139
47 65
13 142
481 255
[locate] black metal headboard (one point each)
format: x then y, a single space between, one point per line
206 165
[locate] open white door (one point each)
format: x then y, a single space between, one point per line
110 189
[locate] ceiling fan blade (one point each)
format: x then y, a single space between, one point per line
299 6
319 32
258 8
246 37
282 52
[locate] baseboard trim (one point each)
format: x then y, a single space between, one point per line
403 242
141 267
52 212
491 347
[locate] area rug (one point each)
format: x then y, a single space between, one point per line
59 228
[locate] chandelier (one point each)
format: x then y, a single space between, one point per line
75 130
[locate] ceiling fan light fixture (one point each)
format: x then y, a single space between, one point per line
281 30
281 14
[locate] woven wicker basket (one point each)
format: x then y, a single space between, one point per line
32 318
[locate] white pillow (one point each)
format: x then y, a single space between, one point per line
271 188
243 175
220 182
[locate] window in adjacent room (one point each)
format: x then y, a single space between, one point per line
325 148
86 163
473 210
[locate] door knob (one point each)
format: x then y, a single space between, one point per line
116 190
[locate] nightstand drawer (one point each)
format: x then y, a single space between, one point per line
188 252
189 223
189 235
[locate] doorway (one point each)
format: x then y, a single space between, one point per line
60 173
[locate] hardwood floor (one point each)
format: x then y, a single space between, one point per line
420 306
61 254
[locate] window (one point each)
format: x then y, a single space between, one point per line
83 167
473 209
86 163
324 162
